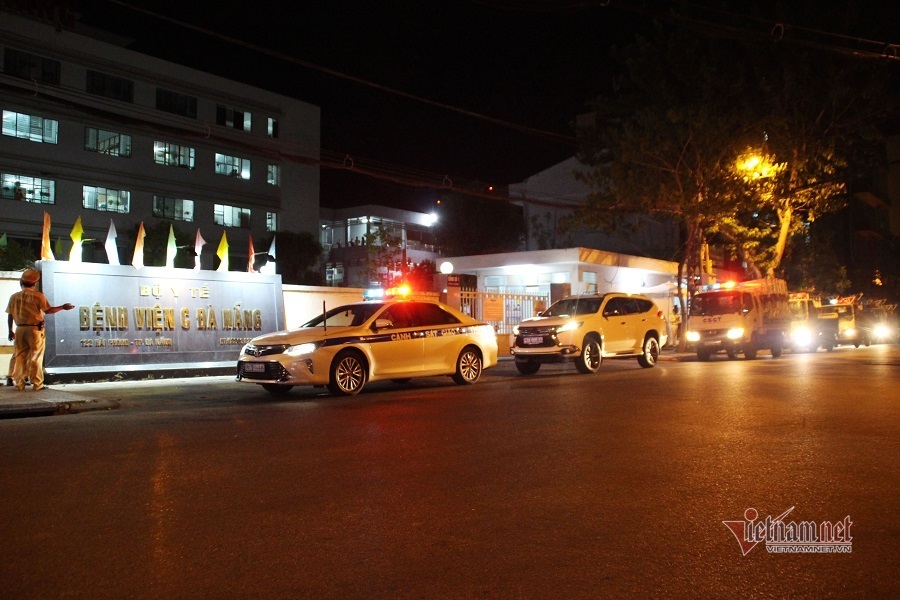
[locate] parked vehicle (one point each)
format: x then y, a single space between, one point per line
586 329
740 318
852 326
348 346
810 330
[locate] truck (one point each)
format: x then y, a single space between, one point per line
740 317
853 326
811 328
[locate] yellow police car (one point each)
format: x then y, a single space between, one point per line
348 346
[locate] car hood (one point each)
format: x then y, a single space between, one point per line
294 337
546 321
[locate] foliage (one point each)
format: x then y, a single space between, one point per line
298 256
16 257
813 265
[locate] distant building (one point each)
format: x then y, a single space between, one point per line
94 130
344 234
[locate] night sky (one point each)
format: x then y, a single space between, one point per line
533 64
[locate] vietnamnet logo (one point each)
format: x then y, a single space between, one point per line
790 537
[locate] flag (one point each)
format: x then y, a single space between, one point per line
251 257
222 253
77 236
112 251
198 246
46 252
269 267
3 240
138 260
171 249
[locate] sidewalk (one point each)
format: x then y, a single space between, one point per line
48 401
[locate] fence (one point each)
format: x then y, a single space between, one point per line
503 311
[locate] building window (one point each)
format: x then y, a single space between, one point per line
173 208
107 142
110 86
99 198
272 129
32 67
165 153
28 189
233 166
230 117
273 175
175 103
271 221
231 216
29 127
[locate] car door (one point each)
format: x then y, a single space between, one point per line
443 338
398 348
616 334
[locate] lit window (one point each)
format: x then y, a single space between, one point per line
173 155
173 208
272 127
230 117
232 166
29 127
107 142
28 189
273 175
271 221
231 216
100 198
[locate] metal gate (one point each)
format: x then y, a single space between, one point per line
503 311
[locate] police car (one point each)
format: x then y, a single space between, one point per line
348 346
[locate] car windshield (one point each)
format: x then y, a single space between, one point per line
718 303
573 306
350 315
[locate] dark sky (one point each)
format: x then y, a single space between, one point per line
532 63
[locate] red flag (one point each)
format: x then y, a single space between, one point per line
251 258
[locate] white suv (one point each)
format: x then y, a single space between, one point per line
586 329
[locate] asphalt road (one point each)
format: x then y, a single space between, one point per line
557 485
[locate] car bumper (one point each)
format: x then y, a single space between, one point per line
291 371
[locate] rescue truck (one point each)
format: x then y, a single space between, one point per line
810 329
740 317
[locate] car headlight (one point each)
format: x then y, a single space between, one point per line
802 335
882 331
735 333
692 336
570 326
515 330
301 349
849 332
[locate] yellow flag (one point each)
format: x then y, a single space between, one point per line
222 253
77 231
46 252
138 260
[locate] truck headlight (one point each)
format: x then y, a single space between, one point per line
692 336
882 331
802 335
735 333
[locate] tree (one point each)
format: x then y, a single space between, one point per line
298 257
16 257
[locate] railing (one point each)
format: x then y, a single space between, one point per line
503 311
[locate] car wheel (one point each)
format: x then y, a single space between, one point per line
348 374
528 367
776 351
590 358
732 354
468 366
650 355
750 350
276 388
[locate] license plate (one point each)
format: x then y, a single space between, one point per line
250 367
533 341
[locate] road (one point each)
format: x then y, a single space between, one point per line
557 485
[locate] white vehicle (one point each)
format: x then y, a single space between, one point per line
740 318
350 345
586 329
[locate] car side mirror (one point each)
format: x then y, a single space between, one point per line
382 324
